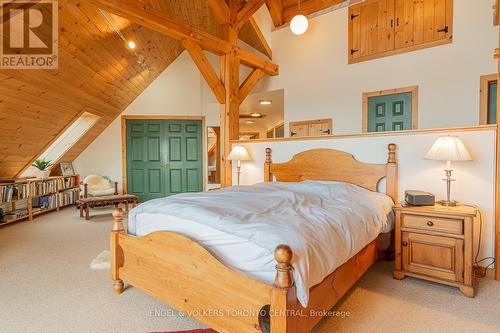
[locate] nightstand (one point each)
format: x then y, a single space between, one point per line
435 243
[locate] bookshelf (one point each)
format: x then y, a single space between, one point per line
24 199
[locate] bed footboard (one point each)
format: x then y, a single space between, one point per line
181 273
288 315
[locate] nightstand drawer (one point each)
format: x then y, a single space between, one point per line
430 223
436 256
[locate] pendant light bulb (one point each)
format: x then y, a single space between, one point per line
299 24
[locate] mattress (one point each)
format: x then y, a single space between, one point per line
325 224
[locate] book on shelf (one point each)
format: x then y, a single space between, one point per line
48 202
68 197
20 196
45 187
13 192
66 182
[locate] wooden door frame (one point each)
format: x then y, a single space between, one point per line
218 143
484 97
160 117
497 174
414 104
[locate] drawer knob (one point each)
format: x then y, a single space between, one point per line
430 223
405 243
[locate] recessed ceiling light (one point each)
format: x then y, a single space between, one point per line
249 122
131 44
256 114
265 102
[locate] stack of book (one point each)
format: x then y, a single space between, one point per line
6 193
14 214
68 197
43 187
67 182
48 202
13 192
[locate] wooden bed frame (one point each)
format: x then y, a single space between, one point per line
180 272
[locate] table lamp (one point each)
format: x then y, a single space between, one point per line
448 148
238 153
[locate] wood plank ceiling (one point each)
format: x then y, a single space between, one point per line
97 73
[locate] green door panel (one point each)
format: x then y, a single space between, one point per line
164 157
390 112
184 144
192 180
154 181
175 181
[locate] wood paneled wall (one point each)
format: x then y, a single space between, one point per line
96 73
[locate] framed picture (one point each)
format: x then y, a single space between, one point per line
67 169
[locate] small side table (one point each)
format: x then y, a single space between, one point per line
435 243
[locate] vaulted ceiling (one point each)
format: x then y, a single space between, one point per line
96 73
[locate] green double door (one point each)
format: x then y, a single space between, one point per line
390 112
164 157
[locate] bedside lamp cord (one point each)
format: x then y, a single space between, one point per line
476 262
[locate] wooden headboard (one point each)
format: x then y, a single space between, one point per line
336 165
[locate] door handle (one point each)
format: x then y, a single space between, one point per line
164 165
430 223
405 243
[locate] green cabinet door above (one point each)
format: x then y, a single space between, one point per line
390 112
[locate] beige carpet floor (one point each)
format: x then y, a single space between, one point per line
46 286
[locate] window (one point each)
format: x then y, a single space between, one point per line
390 110
67 138
488 100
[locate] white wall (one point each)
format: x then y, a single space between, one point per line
177 92
319 83
475 180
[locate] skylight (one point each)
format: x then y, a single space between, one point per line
67 139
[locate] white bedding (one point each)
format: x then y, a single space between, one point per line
325 224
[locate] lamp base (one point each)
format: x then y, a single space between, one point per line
447 203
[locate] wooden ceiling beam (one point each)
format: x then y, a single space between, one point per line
248 10
250 59
163 23
206 69
307 8
276 11
249 83
262 39
220 9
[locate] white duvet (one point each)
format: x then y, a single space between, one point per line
325 224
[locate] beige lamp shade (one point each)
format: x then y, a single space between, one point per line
448 148
238 153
